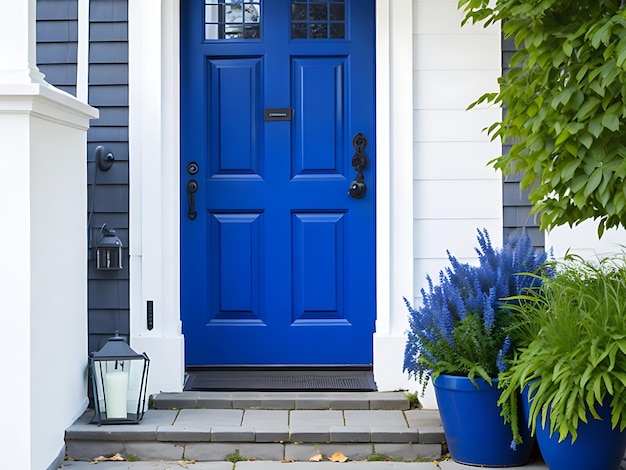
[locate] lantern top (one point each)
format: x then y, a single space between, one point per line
116 349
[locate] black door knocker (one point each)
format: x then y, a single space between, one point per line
359 163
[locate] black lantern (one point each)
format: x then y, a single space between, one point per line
108 249
119 379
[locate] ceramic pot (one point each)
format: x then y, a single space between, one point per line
475 431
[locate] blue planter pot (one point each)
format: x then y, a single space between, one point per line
475 431
597 445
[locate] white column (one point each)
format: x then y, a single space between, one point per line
18 63
394 173
154 183
15 292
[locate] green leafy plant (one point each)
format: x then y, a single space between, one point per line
565 100
383 458
235 457
414 400
574 353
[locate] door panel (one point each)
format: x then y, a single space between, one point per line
318 275
278 265
234 266
318 85
236 98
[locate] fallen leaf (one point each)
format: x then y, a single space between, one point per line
114 458
338 457
286 461
316 458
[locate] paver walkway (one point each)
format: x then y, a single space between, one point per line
269 465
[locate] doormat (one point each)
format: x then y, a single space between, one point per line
281 380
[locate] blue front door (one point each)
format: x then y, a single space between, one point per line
277 182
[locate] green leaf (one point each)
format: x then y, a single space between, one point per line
570 167
593 182
611 122
586 139
621 53
568 48
595 126
587 107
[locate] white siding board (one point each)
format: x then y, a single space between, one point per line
457 199
442 17
456 235
451 89
457 52
453 160
454 125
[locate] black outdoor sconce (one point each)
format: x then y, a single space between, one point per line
108 246
104 158
119 381
108 250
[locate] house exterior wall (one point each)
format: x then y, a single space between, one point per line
57 42
43 295
104 73
583 240
434 188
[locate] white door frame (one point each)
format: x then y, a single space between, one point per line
154 135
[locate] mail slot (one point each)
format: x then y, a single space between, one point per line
277 114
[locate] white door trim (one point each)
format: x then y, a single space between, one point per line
154 135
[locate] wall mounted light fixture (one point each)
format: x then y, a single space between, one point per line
104 158
108 249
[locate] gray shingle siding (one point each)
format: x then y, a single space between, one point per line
516 206
109 299
57 41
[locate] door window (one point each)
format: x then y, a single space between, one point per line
315 19
232 19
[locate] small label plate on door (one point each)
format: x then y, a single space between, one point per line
277 114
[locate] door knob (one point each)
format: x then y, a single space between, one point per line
358 188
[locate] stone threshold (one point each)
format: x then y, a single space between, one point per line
283 400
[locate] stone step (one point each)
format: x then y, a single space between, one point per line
210 426
283 400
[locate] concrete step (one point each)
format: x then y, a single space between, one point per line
282 400
210 426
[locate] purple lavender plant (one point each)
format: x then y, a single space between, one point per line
461 326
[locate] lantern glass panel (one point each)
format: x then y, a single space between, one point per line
119 389
109 257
